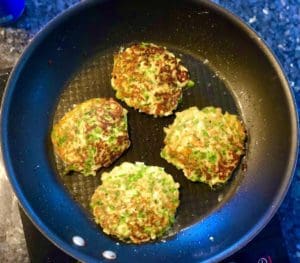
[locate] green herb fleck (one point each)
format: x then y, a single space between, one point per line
212 157
61 140
141 214
144 44
190 84
204 132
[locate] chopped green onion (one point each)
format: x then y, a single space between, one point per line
190 84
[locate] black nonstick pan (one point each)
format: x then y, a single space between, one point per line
71 61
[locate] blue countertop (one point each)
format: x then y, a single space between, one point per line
275 21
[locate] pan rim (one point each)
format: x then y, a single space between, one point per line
266 49
290 168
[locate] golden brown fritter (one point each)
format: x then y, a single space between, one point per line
149 78
92 135
207 145
135 203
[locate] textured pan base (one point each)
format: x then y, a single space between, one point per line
146 133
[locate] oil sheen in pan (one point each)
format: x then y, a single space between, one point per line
197 200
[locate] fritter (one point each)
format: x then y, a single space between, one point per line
135 203
206 144
149 78
92 135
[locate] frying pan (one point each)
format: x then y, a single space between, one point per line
70 60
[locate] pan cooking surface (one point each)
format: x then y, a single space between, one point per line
146 133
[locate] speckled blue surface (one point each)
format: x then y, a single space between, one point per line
278 23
